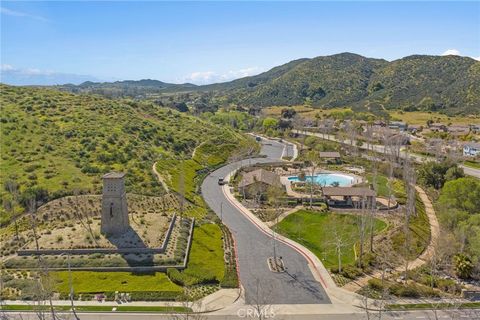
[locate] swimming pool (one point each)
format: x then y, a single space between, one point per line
327 179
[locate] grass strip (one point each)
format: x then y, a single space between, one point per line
416 306
163 309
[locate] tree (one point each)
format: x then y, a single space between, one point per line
269 124
288 113
462 194
181 106
463 265
434 174
454 173
314 158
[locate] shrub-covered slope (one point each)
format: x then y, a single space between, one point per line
54 142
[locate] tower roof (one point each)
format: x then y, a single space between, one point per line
114 175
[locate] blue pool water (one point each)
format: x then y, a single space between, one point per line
327 179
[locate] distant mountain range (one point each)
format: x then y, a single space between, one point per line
432 83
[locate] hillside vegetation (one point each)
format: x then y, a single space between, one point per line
449 84
54 142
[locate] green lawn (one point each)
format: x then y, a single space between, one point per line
472 164
398 187
316 231
163 309
206 255
92 282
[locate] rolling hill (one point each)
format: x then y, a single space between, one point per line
449 84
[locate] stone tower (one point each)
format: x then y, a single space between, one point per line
114 205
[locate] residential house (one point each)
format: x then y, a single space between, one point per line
475 128
414 128
257 182
397 125
471 149
438 127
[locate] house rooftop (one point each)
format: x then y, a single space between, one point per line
260 175
475 145
347 191
114 175
329 154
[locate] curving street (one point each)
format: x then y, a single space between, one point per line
297 285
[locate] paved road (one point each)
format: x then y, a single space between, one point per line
297 285
381 149
242 314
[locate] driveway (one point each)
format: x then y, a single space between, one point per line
297 285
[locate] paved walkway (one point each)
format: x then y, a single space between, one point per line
213 302
419 261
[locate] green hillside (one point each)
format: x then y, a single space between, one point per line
54 142
330 81
449 84
429 83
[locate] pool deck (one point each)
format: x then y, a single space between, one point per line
287 183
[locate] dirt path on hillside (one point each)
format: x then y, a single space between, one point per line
160 178
420 260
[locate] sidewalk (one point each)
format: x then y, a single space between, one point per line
213 302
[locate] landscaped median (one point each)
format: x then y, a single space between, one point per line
433 306
161 309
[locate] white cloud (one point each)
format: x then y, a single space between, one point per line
6 67
451 52
14 13
33 76
207 77
455 52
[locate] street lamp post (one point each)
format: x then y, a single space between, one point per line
70 284
221 211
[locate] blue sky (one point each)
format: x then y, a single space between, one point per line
204 42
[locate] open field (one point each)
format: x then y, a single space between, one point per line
318 232
411 117
421 118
